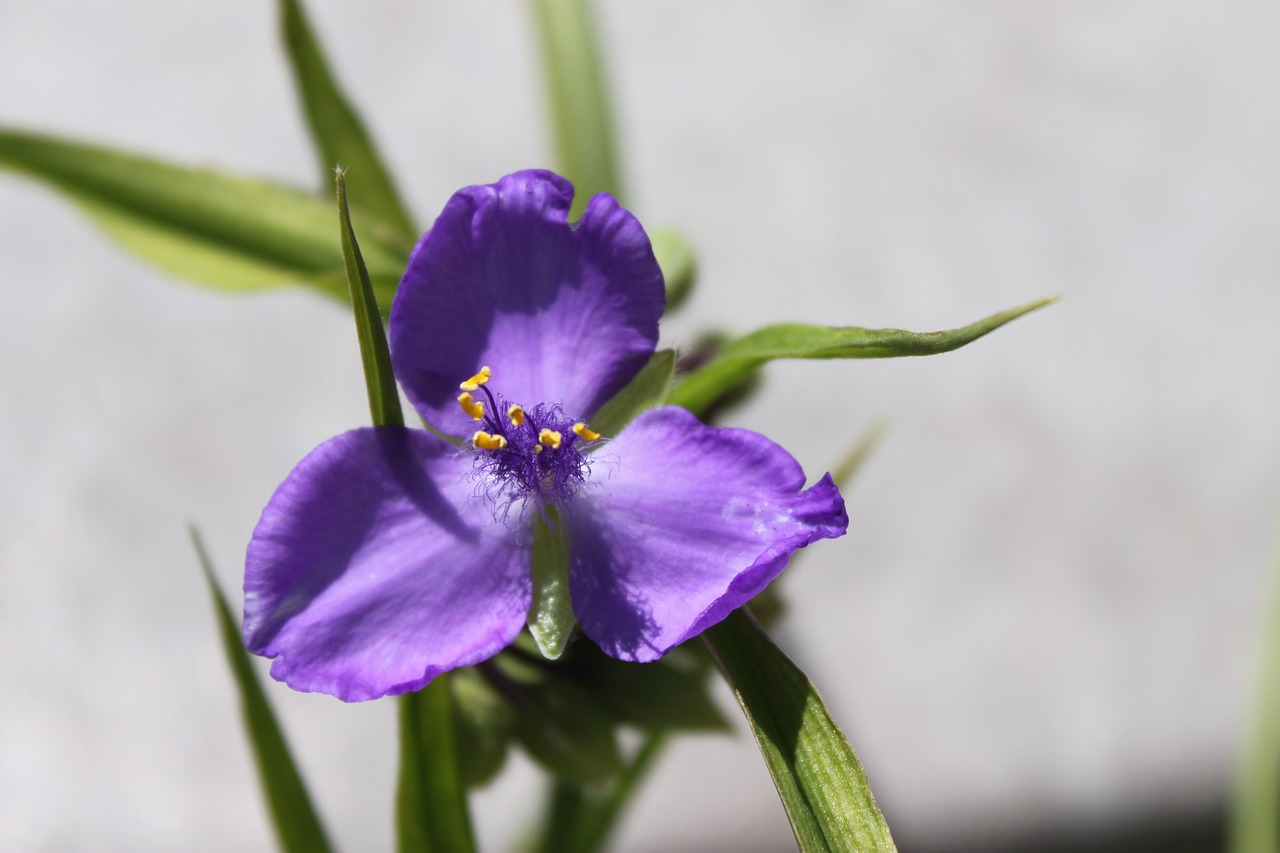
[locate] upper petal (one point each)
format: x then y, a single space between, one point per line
375 567
562 313
682 524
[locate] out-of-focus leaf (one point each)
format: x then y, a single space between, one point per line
485 723
339 136
648 389
678 262
851 463
296 823
380 382
739 359
551 620
209 227
1255 819
655 696
565 729
431 800
578 96
822 785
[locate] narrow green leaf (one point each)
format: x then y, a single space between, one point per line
739 359
212 228
852 461
296 823
1255 819
679 265
551 620
431 801
816 772
648 389
578 96
339 136
597 822
384 399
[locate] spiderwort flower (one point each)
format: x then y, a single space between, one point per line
390 555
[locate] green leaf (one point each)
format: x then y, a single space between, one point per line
679 265
485 723
431 801
297 826
842 475
209 227
673 693
380 382
816 772
565 729
551 620
649 388
1255 818
741 358
339 136
578 96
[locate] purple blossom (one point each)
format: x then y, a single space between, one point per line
390 555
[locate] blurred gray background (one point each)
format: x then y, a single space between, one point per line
1046 614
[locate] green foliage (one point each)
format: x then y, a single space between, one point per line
431 800
551 620
563 726
678 262
337 132
380 382
212 228
297 826
649 388
817 774
578 97
738 360
485 723
1255 818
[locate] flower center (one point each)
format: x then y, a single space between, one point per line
536 452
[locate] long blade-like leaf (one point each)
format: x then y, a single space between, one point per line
209 227
1255 818
431 801
578 95
817 774
380 382
739 359
297 825
339 136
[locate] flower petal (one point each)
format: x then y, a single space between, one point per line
682 524
563 314
375 567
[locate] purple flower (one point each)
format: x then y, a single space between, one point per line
390 555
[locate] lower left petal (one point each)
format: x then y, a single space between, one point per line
376 566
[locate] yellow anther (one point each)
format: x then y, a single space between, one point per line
476 381
472 407
516 414
585 433
550 438
484 441
537 448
